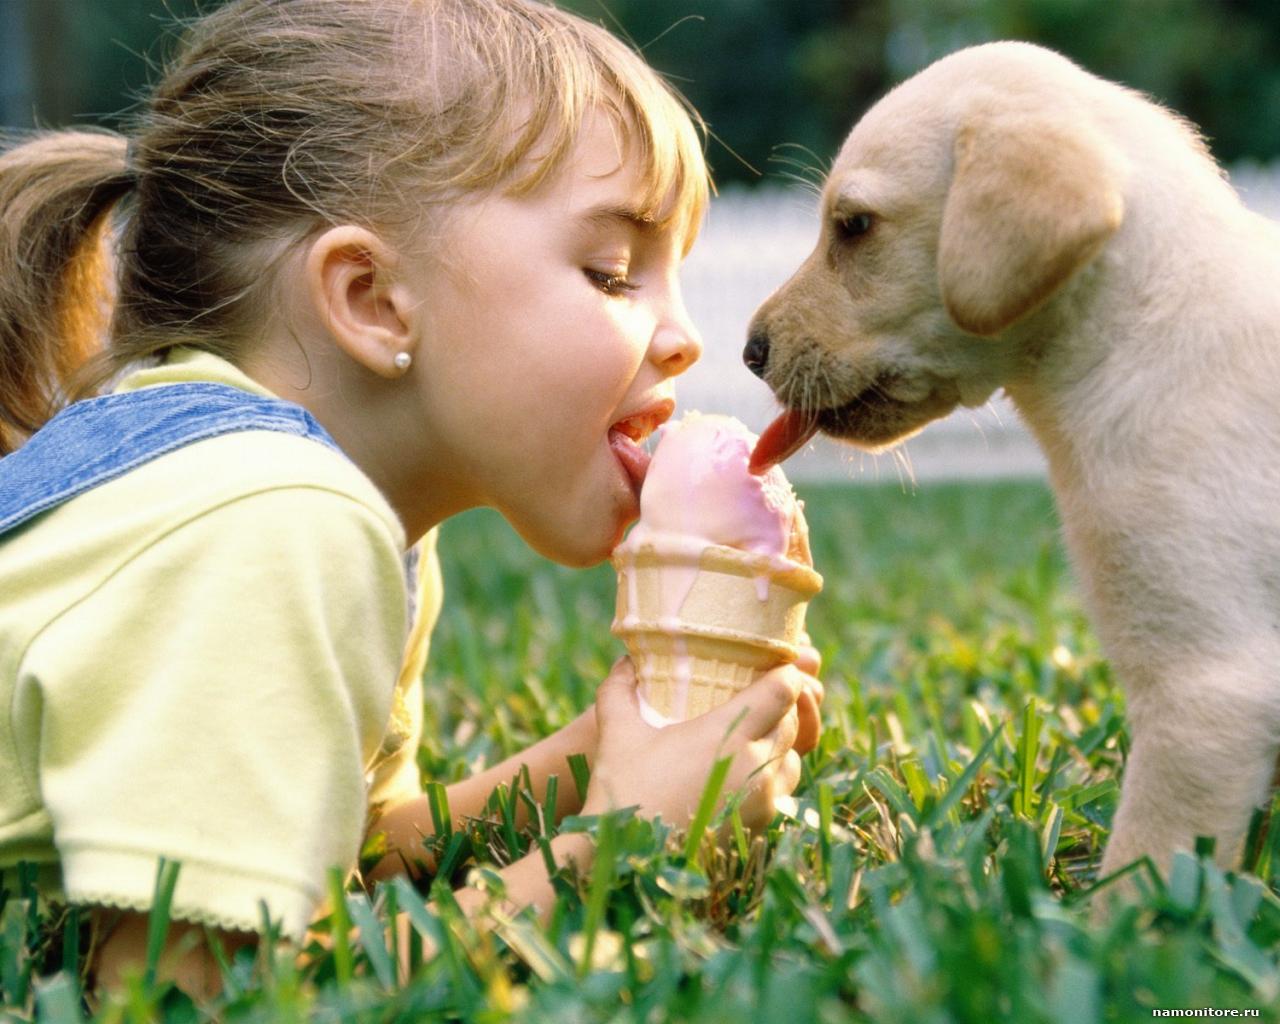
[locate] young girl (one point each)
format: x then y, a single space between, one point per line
378 261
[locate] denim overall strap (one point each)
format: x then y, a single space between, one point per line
92 442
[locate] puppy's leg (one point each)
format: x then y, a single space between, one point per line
1203 756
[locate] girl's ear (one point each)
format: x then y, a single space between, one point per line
351 278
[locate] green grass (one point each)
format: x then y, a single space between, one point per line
939 866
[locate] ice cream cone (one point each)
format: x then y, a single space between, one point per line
703 622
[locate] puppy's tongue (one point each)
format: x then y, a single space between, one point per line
782 438
634 459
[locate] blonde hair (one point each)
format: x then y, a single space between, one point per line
279 117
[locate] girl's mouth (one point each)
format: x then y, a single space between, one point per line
627 436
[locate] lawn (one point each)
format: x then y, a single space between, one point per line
938 864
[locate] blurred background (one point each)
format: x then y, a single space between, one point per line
779 83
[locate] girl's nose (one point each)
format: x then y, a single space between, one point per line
676 343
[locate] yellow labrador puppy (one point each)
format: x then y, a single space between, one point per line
1007 220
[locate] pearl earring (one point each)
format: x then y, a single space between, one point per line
402 361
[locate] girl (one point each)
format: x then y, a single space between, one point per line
379 261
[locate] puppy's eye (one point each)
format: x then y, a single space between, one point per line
855 225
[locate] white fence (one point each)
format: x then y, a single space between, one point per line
751 243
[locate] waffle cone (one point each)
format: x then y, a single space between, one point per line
702 623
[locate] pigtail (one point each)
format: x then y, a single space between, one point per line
55 285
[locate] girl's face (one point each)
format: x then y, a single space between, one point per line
552 326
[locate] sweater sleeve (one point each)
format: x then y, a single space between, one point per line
394 772
215 701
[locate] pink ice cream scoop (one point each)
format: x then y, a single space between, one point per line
699 488
714 579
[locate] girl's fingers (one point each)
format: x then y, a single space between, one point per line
616 697
789 773
809 720
757 710
809 660
787 731
778 776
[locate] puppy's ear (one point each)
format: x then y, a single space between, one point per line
1031 202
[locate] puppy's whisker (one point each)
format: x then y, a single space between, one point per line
901 468
875 388
903 456
813 188
982 431
815 165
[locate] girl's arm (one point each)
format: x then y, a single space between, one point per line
405 825
660 772
186 959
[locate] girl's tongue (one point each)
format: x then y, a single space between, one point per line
634 459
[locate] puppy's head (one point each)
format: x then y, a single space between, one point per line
959 205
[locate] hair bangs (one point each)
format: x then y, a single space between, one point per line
581 66
677 185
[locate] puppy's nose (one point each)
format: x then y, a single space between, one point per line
756 354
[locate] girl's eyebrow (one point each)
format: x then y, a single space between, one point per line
611 214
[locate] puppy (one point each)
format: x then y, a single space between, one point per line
1006 220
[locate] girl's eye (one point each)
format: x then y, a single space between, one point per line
610 284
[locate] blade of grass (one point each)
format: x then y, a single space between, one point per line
15 965
550 802
28 890
58 1001
438 802
424 925
548 856
961 786
1050 833
71 942
453 931
158 920
581 772
1086 795
917 782
453 854
840 883
740 839
392 908
531 945
706 808
1028 747
826 806
1269 862
1045 790
597 898
371 939
219 951
880 779
507 805
340 923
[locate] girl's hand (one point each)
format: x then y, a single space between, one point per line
809 705
664 771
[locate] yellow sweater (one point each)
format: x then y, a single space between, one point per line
205 659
